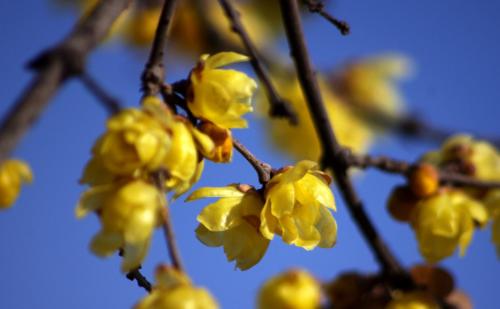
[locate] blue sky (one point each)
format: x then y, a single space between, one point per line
44 260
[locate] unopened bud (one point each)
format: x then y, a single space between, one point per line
424 180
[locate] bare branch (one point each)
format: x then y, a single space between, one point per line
332 151
279 107
54 66
263 169
319 8
108 102
154 72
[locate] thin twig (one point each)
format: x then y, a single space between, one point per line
142 281
395 166
263 169
319 8
108 101
279 107
53 67
154 72
332 151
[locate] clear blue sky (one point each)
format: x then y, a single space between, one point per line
44 260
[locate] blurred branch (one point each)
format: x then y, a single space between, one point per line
319 8
154 72
110 103
140 279
394 166
263 169
332 150
53 67
279 107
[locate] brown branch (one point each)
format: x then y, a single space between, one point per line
154 72
53 67
319 8
279 107
142 281
332 151
108 101
394 166
263 169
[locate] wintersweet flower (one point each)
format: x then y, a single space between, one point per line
370 83
294 289
135 139
297 207
128 213
219 95
13 174
413 300
222 152
233 223
174 290
446 221
301 141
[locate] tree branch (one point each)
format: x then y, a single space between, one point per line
54 66
108 102
332 151
154 72
319 8
279 107
263 169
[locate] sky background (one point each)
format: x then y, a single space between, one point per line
44 257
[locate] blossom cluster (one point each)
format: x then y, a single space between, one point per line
445 217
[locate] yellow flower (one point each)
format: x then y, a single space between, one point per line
369 83
13 173
444 221
218 95
141 26
232 222
301 141
222 140
467 156
297 203
174 290
413 300
182 162
128 213
135 139
294 289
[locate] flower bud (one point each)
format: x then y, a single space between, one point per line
401 203
423 180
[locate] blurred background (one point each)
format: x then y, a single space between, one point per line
44 256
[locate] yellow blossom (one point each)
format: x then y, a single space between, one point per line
232 222
174 290
141 26
413 300
218 95
128 213
222 140
369 83
297 203
134 139
301 141
294 289
444 221
468 156
13 173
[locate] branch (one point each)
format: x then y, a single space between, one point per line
53 67
332 151
140 279
394 166
279 107
108 102
263 169
154 72
319 8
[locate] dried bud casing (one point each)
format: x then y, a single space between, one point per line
401 203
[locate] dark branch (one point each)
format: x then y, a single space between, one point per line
140 279
279 107
108 102
154 72
332 151
53 67
263 169
319 8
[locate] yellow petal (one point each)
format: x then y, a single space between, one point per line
209 238
221 215
327 227
92 199
229 191
223 59
106 243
